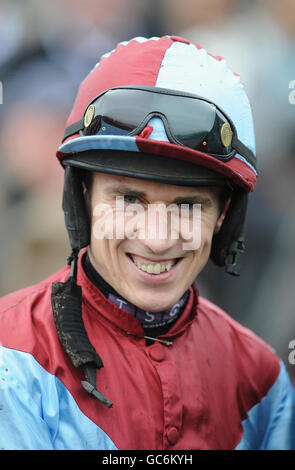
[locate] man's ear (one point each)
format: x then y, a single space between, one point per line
222 217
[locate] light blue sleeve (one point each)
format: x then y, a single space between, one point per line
37 412
271 423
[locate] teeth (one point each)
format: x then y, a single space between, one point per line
150 269
154 268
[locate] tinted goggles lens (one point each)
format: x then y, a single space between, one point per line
189 120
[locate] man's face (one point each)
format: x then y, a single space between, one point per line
140 247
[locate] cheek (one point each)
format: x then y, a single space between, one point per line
209 221
198 228
207 225
102 223
108 260
113 222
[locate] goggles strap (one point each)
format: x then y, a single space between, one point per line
73 129
244 151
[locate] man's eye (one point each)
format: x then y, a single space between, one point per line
129 199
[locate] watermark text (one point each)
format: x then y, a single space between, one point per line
152 222
292 93
291 357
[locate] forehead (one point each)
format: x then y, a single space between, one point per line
108 185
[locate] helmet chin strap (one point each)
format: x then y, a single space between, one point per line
236 249
228 243
66 297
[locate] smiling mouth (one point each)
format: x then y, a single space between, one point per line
151 266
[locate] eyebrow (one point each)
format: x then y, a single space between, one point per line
197 199
189 199
123 190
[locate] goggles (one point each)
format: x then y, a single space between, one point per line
190 120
